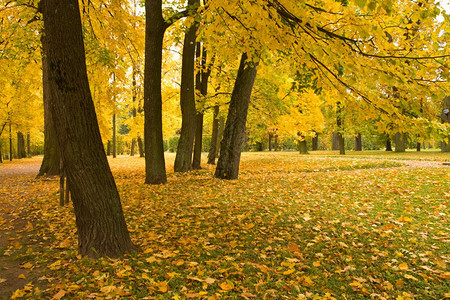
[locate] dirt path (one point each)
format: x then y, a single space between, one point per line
15 178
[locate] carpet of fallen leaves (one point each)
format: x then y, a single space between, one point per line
291 227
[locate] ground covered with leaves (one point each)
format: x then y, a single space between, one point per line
292 227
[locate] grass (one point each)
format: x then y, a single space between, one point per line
293 227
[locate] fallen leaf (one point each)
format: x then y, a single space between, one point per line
59 295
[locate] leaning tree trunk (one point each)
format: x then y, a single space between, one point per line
445 118
214 137
183 158
234 133
102 230
155 166
51 161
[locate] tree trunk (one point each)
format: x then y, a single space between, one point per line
1 154
234 133
141 147
28 145
101 226
214 137
21 152
315 142
445 118
51 160
155 165
133 147
197 156
302 147
114 141
388 144
340 133
10 142
334 141
358 142
108 148
183 158
400 142
220 134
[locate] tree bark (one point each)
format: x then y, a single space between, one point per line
340 133
388 144
214 137
28 145
234 133
108 148
155 166
51 160
183 158
197 155
114 141
133 147
334 141
302 147
102 230
358 142
10 142
400 142
445 118
1 154
141 147
315 142
21 153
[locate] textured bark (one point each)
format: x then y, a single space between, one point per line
445 118
334 141
141 147
388 144
10 142
400 142
197 155
114 140
340 133
183 158
51 160
108 148
28 145
358 142
133 147
315 142
302 147
155 166
234 133
214 137
101 226
21 153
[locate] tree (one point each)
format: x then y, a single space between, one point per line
102 230
234 133
183 159
445 118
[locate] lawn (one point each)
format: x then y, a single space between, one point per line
293 226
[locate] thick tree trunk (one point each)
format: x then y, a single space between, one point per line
155 165
302 147
51 160
445 118
315 142
234 133
334 141
21 153
114 137
388 144
183 158
358 142
270 141
214 137
400 142
108 148
102 230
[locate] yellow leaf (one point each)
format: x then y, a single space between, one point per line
445 275
399 283
27 266
403 266
226 286
307 281
2 280
288 272
410 277
108 289
59 295
316 264
145 276
21 276
18 294
163 286
210 280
